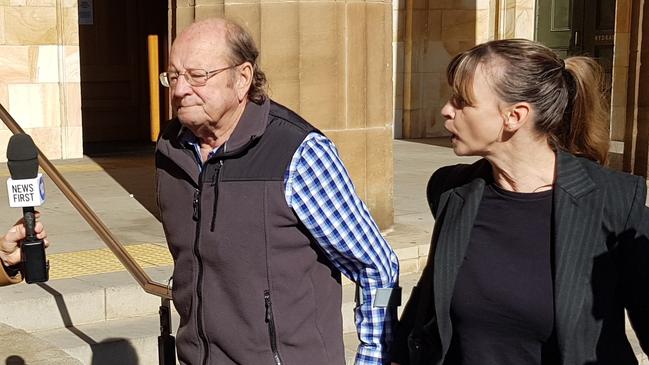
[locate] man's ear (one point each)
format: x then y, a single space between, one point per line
244 80
517 116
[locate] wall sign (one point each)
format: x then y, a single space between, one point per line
85 12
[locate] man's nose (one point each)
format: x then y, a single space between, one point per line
182 87
448 110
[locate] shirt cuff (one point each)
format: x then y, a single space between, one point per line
370 355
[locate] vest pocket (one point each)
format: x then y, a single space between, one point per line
270 321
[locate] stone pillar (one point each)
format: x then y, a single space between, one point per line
331 62
639 134
434 32
39 78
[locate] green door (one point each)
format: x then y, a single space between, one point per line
554 26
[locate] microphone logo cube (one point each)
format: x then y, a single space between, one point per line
26 192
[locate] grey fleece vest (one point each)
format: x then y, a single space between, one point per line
250 283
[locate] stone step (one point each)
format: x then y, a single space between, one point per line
78 301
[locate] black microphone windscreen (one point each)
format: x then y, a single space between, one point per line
22 157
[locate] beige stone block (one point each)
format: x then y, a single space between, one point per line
351 145
30 25
399 57
398 91
430 92
4 97
400 27
5 134
379 175
15 61
356 65
419 4
623 16
2 25
72 105
199 3
71 26
72 142
35 105
378 62
459 25
48 140
184 18
458 4
248 15
280 56
47 64
341 62
621 55
17 2
285 92
211 11
70 3
71 64
408 266
455 47
318 59
40 3
524 24
618 122
619 87
434 29
436 57
4 3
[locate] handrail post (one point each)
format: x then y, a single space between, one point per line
166 342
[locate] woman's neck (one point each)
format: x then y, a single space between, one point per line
525 167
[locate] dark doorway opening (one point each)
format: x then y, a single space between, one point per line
114 73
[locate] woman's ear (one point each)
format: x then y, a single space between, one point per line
516 116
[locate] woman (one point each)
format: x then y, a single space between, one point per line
537 248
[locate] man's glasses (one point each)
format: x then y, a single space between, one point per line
194 77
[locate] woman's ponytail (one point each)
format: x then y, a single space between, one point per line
584 130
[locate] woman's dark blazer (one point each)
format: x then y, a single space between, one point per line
600 263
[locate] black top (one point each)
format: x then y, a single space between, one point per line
502 309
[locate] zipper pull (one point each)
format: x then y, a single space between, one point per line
267 302
197 194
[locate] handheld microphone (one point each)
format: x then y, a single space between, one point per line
27 190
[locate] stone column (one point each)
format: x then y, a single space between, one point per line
434 33
39 78
331 62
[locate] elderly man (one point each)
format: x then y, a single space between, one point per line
261 218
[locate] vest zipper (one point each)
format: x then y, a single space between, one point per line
199 281
217 174
270 320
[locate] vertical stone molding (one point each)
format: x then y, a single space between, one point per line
331 62
39 80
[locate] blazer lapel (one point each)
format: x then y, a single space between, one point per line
577 211
460 212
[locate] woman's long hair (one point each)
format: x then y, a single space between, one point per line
566 95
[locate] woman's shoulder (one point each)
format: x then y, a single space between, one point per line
452 176
607 177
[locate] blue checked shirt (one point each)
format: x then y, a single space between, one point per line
320 191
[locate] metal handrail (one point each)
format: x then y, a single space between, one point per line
97 225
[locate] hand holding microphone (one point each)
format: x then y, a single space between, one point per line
10 243
26 190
